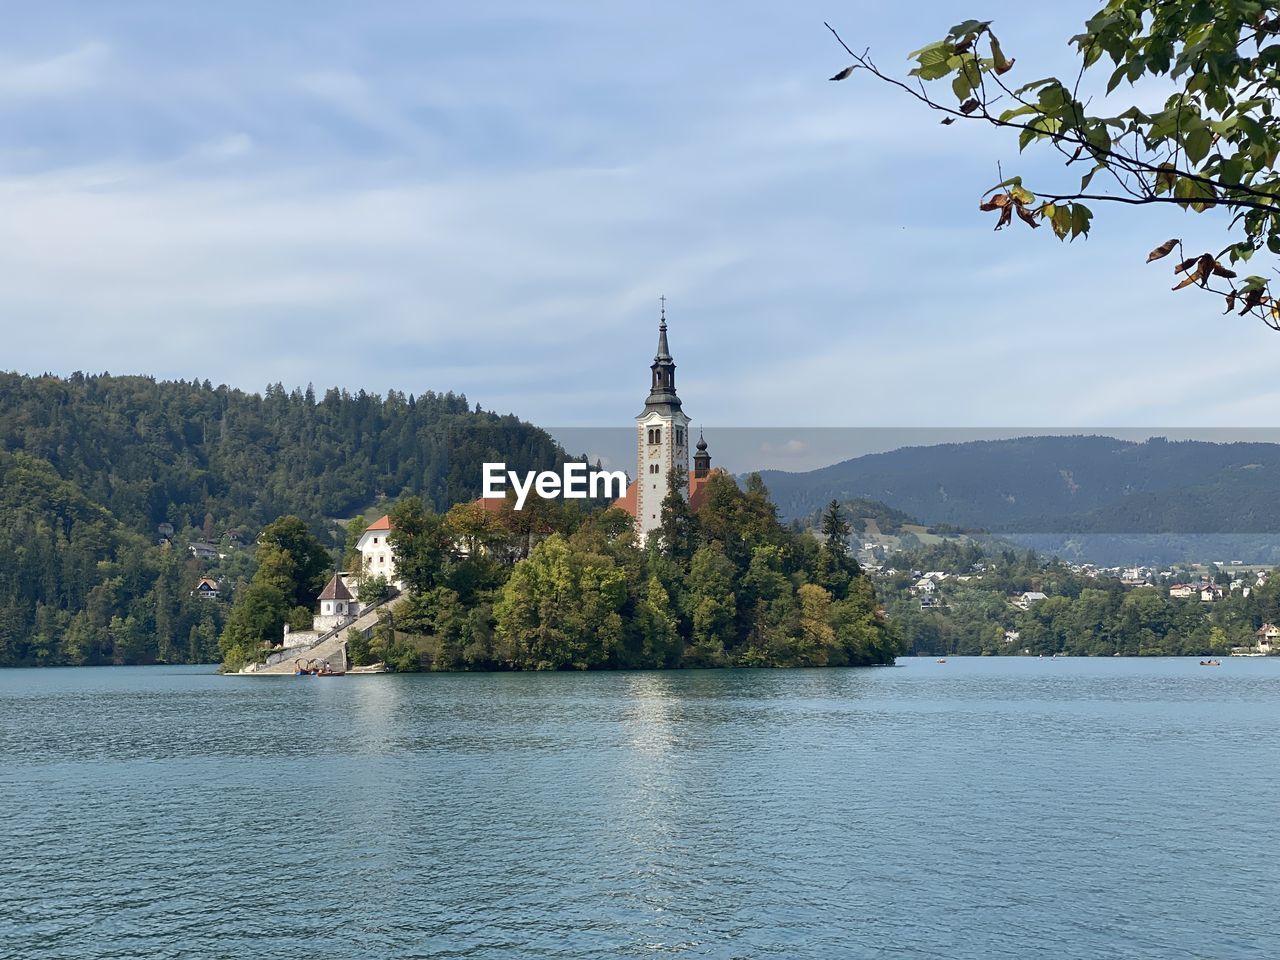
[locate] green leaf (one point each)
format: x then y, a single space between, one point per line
968 27
1081 218
946 45
1197 143
1001 63
934 62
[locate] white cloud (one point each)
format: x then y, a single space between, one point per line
57 76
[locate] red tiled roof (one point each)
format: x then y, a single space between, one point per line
627 502
382 523
490 504
698 488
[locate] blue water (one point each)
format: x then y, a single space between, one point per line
992 808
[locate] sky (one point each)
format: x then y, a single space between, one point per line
490 198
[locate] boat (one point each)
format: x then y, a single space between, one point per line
942 660
315 668
1210 663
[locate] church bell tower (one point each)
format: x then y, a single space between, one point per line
662 437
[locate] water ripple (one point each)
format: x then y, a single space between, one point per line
978 809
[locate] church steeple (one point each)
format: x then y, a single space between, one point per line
662 438
662 389
701 459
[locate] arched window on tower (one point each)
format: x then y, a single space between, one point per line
657 434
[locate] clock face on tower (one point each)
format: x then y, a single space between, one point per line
653 453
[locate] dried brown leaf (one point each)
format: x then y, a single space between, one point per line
844 74
1163 250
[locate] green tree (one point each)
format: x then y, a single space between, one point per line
421 544
712 607
561 608
658 627
1212 146
678 532
298 563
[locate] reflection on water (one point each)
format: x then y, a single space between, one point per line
981 808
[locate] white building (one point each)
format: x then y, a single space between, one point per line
662 446
338 607
662 437
1029 599
375 552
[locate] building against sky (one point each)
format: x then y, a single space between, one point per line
662 444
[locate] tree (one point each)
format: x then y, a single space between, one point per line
658 627
677 534
420 543
835 529
712 606
816 636
1212 147
560 609
301 561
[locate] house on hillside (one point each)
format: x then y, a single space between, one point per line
1182 591
1029 599
203 551
1211 592
376 556
1268 638
207 589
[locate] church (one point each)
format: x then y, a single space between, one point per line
662 445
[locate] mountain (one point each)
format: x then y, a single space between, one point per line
94 468
1069 486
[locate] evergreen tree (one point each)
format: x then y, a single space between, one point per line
677 534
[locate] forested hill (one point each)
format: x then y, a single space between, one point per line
1063 484
154 452
92 466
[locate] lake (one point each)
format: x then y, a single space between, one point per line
980 808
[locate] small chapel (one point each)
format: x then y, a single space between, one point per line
662 445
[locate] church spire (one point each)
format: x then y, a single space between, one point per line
664 352
701 459
662 389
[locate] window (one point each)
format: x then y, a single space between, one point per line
679 436
657 434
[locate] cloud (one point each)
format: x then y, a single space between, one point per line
491 201
231 147
57 76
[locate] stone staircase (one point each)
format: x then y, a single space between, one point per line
332 646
